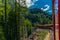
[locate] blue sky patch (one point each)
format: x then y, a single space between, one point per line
45 5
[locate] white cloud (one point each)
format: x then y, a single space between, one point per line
45 9
30 3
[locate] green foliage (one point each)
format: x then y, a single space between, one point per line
1 21
28 26
38 17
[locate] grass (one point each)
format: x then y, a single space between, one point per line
42 35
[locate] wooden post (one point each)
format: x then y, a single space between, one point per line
53 18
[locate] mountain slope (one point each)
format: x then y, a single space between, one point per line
37 16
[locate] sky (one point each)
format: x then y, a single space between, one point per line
56 6
45 5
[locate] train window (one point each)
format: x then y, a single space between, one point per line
27 19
